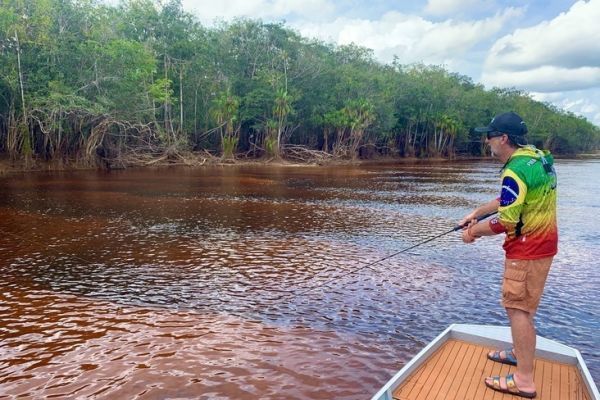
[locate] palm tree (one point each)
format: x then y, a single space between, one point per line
360 114
224 111
281 110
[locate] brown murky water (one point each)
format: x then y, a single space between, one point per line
250 282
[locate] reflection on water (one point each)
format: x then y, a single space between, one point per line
250 282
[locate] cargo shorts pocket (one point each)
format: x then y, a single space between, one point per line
514 287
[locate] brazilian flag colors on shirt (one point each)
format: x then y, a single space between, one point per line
527 211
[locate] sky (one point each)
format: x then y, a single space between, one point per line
551 48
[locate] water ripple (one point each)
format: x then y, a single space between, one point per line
253 282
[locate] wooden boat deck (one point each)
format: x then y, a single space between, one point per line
457 370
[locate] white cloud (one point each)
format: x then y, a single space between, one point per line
448 7
580 102
559 54
208 11
410 37
544 78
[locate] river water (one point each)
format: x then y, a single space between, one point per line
252 281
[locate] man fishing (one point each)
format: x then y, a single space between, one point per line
527 215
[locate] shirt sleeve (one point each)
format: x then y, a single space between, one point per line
512 198
496 226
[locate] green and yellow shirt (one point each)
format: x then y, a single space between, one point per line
527 211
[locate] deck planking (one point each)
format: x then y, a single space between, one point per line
457 369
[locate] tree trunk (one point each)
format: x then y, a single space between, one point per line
12 133
166 105
181 99
195 112
21 77
153 102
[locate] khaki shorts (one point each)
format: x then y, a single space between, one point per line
524 282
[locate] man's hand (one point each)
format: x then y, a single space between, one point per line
467 235
467 219
485 209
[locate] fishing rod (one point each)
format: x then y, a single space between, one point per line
456 228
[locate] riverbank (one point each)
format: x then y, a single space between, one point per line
7 166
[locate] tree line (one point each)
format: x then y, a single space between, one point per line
86 82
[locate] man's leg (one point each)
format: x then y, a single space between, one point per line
523 334
517 294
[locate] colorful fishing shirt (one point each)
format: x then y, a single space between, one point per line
527 212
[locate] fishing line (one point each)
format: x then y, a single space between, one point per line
353 271
338 277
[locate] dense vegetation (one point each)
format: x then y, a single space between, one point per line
142 82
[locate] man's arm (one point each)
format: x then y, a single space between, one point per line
472 229
483 209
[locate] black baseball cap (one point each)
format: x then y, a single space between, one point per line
510 123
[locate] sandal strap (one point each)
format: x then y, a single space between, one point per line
511 385
509 355
496 382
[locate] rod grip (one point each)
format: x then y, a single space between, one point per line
481 218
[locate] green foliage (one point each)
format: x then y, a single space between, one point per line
151 63
270 143
359 114
162 91
225 112
229 146
283 104
60 96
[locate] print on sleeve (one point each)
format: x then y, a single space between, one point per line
510 191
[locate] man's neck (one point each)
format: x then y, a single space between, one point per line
505 156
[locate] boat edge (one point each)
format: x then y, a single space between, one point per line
386 392
490 335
